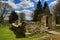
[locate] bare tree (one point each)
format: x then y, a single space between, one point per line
4 9
57 8
57 12
22 17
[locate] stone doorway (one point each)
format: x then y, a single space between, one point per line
49 22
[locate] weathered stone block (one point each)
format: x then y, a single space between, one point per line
34 27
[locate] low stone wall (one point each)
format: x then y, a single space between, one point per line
34 27
30 28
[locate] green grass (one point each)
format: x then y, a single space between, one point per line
7 34
58 30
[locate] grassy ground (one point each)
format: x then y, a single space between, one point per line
7 34
58 30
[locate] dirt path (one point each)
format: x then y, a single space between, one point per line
52 35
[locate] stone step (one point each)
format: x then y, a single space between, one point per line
53 32
57 25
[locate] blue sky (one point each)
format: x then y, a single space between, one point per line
34 2
27 6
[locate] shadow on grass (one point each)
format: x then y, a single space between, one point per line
18 32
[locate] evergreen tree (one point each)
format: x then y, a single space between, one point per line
13 17
46 8
37 11
47 12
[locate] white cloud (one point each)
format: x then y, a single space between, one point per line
25 0
28 14
22 4
35 0
13 5
45 0
52 6
53 3
10 2
25 4
18 11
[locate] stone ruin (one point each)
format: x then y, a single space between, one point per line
34 28
41 24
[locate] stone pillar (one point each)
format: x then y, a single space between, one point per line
50 22
53 22
39 18
43 23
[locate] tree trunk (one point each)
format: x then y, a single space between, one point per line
1 19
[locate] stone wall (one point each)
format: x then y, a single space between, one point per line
34 27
